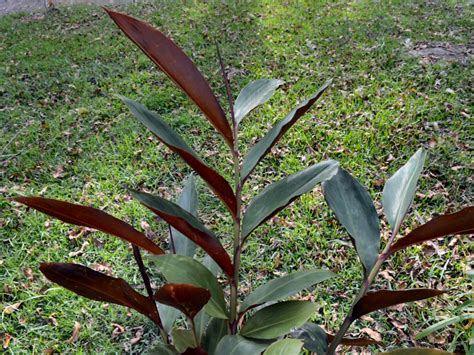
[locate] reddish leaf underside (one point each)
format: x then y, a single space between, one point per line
195 351
99 287
211 245
178 66
374 301
461 222
187 298
92 218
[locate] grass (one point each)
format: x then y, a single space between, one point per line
64 135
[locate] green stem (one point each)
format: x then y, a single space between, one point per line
363 290
193 327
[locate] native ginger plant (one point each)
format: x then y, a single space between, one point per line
220 320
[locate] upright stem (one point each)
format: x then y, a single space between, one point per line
146 281
234 283
193 327
363 290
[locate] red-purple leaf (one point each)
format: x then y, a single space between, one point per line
178 66
187 298
92 218
195 351
190 226
374 301
461 222
99 287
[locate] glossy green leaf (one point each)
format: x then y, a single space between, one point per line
353 207
189 225
200 322
162 349
188 200
238 345
183 339
285 286
184 269
168 316
443 324
265 144
210 265
400 189
215 331
281 193
416 351
277 319
284 347
174 142
254 94
313 336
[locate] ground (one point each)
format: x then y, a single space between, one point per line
66 136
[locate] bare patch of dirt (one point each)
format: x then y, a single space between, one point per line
432 52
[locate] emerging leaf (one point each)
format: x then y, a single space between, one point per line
271 138
374 301
173 141
254 94
277 319
284 347
280 194
355 210
285 286
92 218
184 269
461 222
177 65
185 297
99 287
238 345
189 225
400 189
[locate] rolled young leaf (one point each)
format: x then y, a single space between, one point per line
277 319
184 269
265 144
399 190
353 207
173 141
188 201
91 218
189 225
374 301
254 94
285 286
238 345
177 65
187 298
461 222
280 194
99 287
284 347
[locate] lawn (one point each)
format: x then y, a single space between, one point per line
66 136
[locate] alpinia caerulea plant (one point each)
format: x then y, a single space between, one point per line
265 320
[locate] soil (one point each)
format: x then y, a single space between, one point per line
432 52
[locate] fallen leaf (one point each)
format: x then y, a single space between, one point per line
118 330
12 308
102 267
372 334
6 340
76 331
81 249
58 172
29 273
138 336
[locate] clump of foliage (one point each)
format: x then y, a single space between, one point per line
219 318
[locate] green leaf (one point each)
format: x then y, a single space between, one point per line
277 319
162 349
168 316
210 265
443 324
238 345
175 143
184 269
400 189
254 94
265 144
188 201
280 194
215 331
201 321
284 347
183 339
189 225
416 351
285 286
355 210
313 336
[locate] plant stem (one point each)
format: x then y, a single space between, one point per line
363 290
146 281
193 327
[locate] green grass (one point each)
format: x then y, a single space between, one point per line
64 135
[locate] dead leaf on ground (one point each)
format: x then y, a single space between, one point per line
6 338
138 336
118 330
29 273
372 334
76 331
12 308
102 267
81 249
58 172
